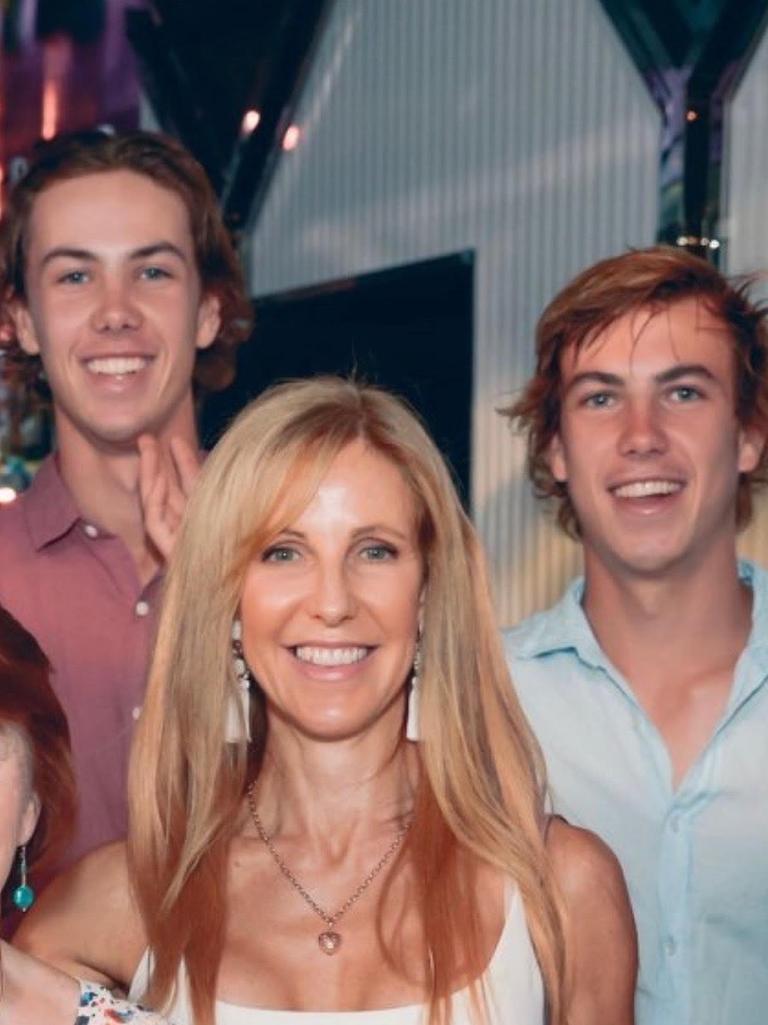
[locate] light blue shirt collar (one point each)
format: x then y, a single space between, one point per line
565 627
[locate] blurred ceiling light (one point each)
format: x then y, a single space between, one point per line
7 495
57 60
250 121
51 98
702 241
291 137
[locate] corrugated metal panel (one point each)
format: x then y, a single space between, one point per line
746 221
746 160
518 128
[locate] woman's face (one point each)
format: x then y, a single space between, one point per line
330 607
18 805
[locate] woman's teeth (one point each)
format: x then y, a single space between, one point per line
330 656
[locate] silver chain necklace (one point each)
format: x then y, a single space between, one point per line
329 940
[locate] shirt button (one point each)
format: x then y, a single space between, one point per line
141 608
136 712
670 946
90 530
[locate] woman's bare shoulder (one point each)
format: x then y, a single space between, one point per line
584 865
87 922
600 928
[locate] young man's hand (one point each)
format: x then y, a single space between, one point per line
166 478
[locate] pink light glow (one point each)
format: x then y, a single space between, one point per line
57 59
250 123
51 107
291 138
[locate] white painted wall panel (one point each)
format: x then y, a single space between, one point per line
746 160
745 186
518 128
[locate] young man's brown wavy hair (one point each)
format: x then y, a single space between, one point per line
653 278
165 162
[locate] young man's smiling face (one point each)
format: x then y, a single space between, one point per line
649 444
114 305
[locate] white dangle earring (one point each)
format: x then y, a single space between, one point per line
238 722
412 731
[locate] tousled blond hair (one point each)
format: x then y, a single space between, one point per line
480 800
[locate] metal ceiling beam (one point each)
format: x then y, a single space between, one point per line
201 95
256 157
691 66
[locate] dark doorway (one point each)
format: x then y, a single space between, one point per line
408 329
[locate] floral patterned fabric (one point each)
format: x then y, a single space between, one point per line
99 1007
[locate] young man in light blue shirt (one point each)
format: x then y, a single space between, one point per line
647 684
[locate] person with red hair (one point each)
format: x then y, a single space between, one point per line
37 807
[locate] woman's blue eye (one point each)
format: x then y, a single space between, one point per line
155 273
279 553
378 553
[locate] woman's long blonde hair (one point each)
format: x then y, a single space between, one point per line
481 796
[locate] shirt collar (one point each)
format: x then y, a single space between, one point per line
561 628
752 667
49 506
566 627
756 578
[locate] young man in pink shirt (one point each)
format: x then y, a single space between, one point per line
118 275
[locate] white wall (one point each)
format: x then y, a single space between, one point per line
745 186
518 128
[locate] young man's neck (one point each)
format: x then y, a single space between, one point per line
104 481
684 618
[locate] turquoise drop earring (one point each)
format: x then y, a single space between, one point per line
23 896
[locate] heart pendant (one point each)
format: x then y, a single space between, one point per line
329 941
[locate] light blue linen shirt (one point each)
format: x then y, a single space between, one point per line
695 858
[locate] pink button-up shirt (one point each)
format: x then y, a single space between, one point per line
76 588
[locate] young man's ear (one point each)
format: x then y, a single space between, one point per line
208 321
751 445
556 459
24 327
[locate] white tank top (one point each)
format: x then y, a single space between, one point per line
512 982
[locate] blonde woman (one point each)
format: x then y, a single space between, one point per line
329 868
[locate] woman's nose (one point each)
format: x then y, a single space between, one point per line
333 598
